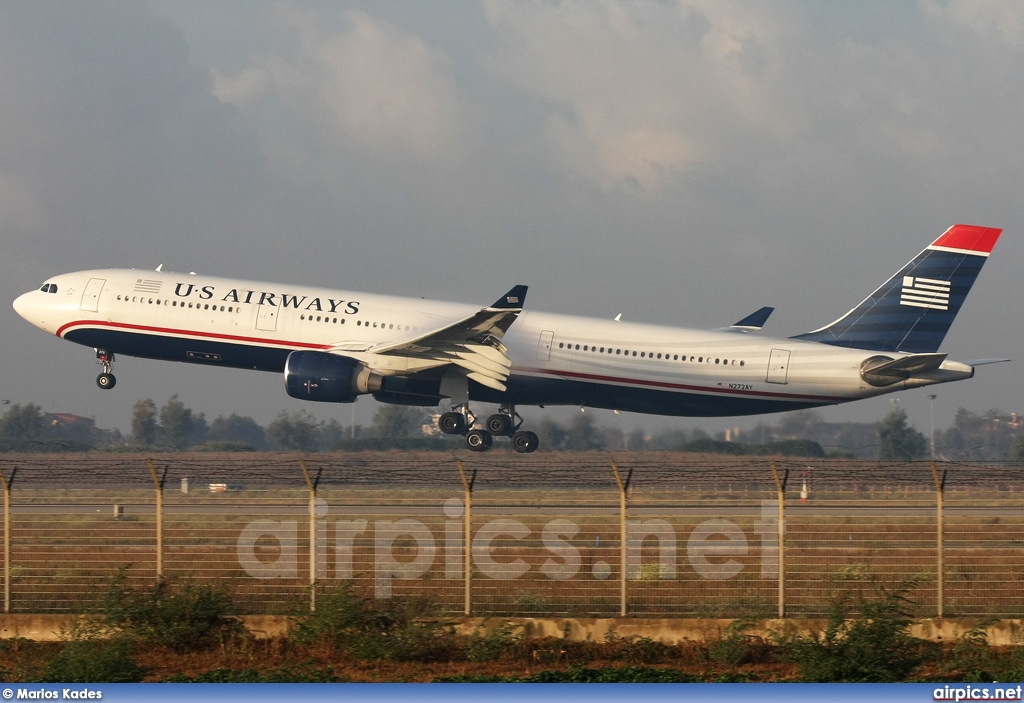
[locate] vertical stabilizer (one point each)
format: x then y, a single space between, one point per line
912 311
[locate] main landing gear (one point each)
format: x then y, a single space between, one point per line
504 423
106 379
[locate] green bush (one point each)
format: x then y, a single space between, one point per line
735 647
873 646
307 673
182 617
491 647
90 655
396 631
583 674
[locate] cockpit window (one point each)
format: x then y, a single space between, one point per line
49 288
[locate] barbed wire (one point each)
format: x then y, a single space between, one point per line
493 471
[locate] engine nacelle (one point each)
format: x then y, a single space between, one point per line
328 378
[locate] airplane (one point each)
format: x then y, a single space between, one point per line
333 345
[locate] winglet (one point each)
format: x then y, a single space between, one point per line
513 300
754 321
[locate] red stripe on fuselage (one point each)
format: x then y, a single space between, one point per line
191 333
542 372
680 386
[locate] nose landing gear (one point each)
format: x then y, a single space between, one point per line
504 423
105 380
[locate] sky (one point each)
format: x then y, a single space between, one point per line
680 163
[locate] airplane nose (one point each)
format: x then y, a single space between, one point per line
21 304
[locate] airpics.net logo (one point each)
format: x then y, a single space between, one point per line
928 293
715 549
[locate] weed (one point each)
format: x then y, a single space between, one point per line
185 617
735 647
873 646
638 650
89 655
395 631
304 673
583 674
492 646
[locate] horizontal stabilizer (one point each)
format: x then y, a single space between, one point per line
985 362
752 322
885 371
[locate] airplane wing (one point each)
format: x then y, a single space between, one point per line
472 343
752 322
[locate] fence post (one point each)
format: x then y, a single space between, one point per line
467 568
312 484
623 489
780 486
7 538
158 481
940 487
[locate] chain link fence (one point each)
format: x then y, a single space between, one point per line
647 534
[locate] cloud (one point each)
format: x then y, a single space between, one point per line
639 93
368 83
1000 21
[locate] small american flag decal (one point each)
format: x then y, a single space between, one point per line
143 285
514 299
925 293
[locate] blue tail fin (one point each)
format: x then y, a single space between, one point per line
912 311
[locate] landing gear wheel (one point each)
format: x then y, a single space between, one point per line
106 381
452 423
525 442
499 425
478 440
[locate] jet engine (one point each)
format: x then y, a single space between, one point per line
328 378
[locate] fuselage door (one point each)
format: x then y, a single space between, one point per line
778 366
266 318
544 345
91 296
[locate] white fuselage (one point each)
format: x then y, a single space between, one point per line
556 359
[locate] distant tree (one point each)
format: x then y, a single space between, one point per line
1018 446
176 423
395 421
897 441
298 431
22 422
582 434
550 433
636 441
612 438
236 428
801 424
144 425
